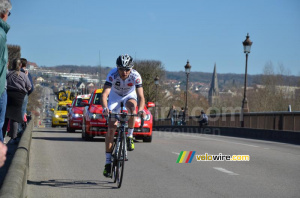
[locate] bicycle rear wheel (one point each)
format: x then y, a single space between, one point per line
121 161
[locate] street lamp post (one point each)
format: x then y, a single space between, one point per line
187 68
247 46
156 81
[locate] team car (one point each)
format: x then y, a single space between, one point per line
75 112
60 114
94 123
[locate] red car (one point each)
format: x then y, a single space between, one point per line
94 123
74 120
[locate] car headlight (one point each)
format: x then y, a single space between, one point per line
76 115
147 117
57 116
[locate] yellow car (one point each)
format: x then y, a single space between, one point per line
60 114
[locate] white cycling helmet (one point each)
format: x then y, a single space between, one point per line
124 61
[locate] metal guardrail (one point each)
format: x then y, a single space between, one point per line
283 121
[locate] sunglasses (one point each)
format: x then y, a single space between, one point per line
8 14
123 69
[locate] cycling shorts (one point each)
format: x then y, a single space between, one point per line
114 100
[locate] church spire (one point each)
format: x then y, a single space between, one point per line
213 94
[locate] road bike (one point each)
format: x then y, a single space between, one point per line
119 153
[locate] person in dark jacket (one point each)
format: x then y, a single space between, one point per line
203 119
18 85
181 117
25 102
5 7
172 115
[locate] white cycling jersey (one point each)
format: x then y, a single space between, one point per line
123 87
122 90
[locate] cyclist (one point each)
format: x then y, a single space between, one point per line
123 84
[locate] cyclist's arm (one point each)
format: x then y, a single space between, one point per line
141 98
105 93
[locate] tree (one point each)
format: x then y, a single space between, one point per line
148 70
196 102
14 52
33 99
275 94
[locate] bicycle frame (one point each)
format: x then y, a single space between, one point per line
119 155
120 147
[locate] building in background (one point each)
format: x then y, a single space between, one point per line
31 65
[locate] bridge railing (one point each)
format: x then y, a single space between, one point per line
283 121
15 182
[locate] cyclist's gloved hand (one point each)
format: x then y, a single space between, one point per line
105 111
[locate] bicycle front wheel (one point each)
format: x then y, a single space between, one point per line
114 163
121 161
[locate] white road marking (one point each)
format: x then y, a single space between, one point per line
175 153
225 171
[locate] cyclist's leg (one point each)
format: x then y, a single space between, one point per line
109 138
131 107
113 106
131 103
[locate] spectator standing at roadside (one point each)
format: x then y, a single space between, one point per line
203 119
18 85
181 116
172 114
5 7
25 102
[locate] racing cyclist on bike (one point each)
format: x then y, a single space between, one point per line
123 84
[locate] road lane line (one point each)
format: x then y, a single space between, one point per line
175 153
225 171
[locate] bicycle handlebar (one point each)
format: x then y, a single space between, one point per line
124 115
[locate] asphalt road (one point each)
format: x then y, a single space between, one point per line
63 165
48 102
